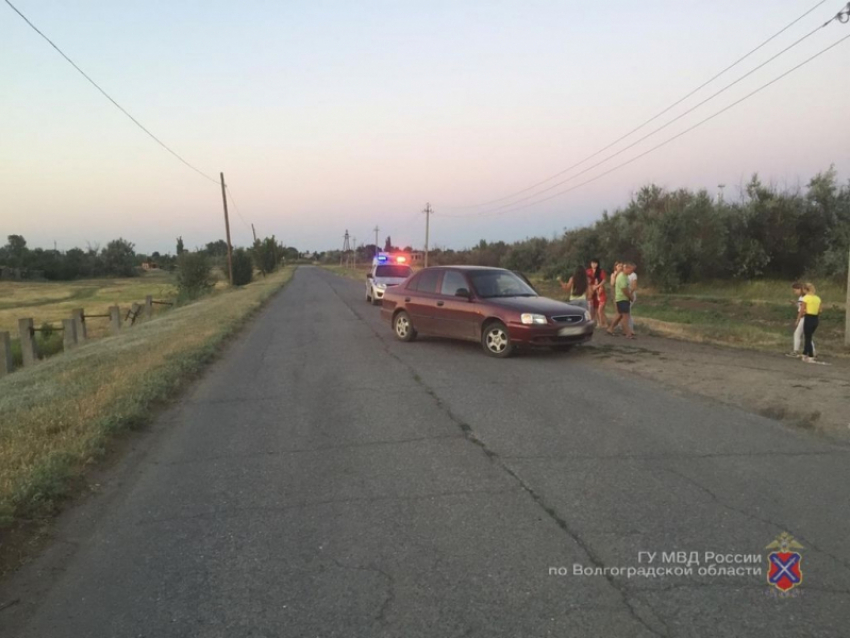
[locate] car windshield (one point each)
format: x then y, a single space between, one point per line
499 283
400 272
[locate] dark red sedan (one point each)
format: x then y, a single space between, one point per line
493 306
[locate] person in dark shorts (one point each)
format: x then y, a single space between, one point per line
623 301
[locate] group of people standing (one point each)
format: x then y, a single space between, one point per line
587 287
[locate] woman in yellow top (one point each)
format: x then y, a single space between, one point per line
809 311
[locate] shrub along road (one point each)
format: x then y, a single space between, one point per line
326 480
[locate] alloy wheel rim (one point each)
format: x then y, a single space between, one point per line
401 325
497 340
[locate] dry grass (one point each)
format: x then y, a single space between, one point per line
57 418
53 301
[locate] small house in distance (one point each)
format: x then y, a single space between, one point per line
149 265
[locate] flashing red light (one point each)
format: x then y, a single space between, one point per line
401 260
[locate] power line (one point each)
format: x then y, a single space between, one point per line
236 206
845 17
108 97
653 118
660 128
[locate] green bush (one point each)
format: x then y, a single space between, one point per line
194 275
267 254
243 267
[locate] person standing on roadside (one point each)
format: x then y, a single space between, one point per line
809 314
630 272
577 287
598 279
623 300
797 287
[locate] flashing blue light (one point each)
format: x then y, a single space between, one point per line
382 257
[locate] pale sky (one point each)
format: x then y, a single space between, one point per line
331 115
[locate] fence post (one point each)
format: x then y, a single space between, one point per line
114 319
79 318
69 334
29 349
134 312
5 353
149 307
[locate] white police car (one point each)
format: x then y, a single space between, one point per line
387 270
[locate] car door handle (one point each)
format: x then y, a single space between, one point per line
440 303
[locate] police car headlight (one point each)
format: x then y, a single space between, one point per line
587 316
381 286
527 318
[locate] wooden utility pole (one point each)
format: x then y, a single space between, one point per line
427 212
377 250
227 228
254 232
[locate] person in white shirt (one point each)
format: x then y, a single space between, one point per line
633 288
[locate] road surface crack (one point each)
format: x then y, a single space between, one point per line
748 514
494 457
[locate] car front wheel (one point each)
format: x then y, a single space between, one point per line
403 328
496 341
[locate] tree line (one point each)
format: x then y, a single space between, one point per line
683 236
118 258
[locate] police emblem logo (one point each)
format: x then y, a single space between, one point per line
784 563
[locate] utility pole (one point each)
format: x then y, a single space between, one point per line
227 228
376 240
255 233
847 307
427 212
346 250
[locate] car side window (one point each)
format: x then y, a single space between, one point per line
452 282
427 281
413 282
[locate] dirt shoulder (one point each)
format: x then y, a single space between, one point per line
811 397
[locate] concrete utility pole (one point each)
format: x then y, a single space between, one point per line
376 239
427 212
227 228
847 307
254 232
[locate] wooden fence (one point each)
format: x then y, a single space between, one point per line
73 331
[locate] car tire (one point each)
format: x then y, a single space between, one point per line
496 340
375 300
403 327
368 297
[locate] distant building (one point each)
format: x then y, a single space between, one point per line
417 257
149 265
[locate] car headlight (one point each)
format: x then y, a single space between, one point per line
587 316
528 318
381 286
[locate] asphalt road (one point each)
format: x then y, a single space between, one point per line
326 480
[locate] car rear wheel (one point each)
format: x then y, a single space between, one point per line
403 327
496 341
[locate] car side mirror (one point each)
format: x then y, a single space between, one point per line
368 275
463 292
